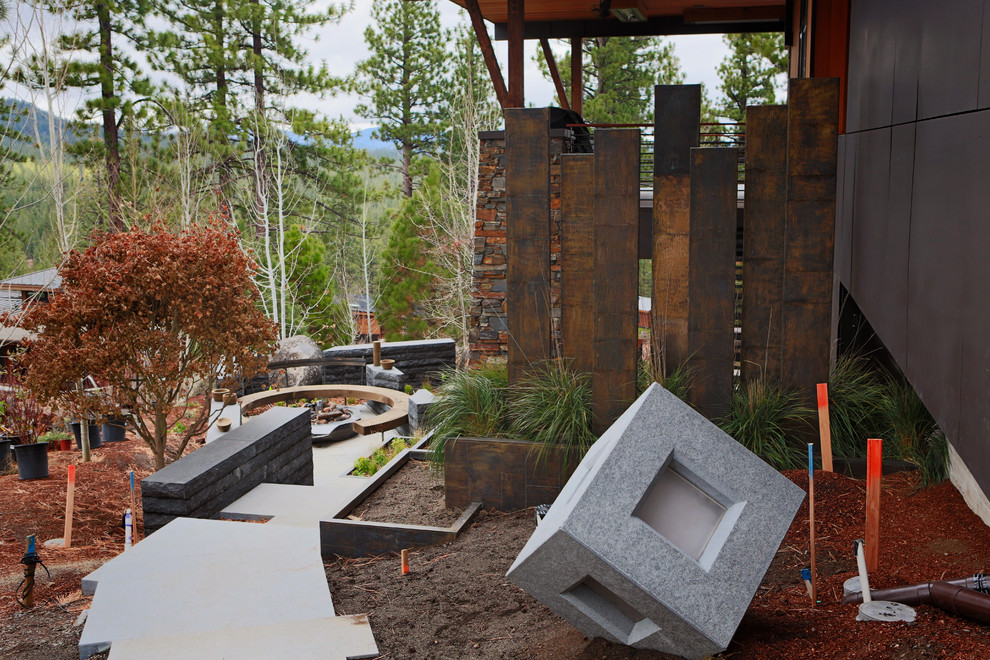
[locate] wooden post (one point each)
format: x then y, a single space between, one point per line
711 278
809 229
677 117
527 228
70 499
376 353
516 33
824 427
874 467
616 243
811 521
405 561
763 241
577 75
577 257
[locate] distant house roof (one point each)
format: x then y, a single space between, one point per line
360 302
39 280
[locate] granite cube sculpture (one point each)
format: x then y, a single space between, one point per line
662 535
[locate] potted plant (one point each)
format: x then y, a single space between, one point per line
60 440
26 420
94 433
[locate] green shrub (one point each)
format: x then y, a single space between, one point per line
366 466
762 417
855 392
551 406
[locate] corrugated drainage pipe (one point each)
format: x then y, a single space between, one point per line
916 594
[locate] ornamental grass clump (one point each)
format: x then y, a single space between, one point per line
855 393
912 433
551 406
470 403
763 417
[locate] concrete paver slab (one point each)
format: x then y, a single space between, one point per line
329 638
286 504
200 575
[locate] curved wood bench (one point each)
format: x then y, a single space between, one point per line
396 416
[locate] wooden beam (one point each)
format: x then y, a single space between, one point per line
517 24
577 257
577 75
554 74
711 285
657 26
616 217
527 226
677 117
481 33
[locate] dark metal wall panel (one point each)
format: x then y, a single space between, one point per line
949 76
616 217
763 240
812 126
577 235
870 201
527 178
677 117
905 20
712 277
842 261
983 99
935 284
871 66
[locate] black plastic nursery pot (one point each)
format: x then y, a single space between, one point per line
32 461
5 444
114 430
94 435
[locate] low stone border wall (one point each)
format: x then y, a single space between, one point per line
502 474
358 538
274 447
418 360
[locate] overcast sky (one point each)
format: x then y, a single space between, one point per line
342 46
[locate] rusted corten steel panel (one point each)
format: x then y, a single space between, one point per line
677 113
527 191
506 475
812 126
712 277
763 240
616 200
577 236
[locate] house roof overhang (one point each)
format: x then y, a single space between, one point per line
563 19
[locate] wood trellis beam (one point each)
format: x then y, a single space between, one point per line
487 52
555 74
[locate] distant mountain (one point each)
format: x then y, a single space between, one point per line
18 117
363 140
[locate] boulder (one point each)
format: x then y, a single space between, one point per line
298 347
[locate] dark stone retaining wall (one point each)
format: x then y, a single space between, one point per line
502 474
274 447
418 360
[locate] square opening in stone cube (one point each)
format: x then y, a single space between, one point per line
609 611
681 511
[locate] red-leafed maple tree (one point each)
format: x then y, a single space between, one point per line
151 314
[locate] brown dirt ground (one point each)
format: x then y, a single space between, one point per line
456 602
410 496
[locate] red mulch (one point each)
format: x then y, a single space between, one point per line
925 535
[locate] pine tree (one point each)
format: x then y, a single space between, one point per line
102 25
619 75
405 78
749 72
406 275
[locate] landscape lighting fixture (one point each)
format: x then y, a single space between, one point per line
628 11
